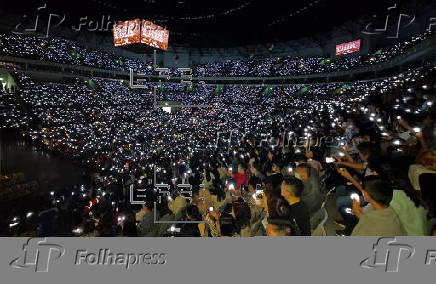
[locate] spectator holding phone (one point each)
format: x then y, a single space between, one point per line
378 218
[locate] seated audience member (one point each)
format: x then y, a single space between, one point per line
145 226
241 214
129 225
311 195
255 169
171 211
259 213
312 162
287 155
241 177
370 160
378 218
191 229
267 165
276 176
412 214
291 190
208 179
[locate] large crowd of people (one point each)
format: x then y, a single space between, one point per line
255 161
70 52
292 66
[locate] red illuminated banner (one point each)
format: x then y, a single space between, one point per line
140 31
154 35
348 47
128 32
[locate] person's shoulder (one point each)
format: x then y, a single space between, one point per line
300 207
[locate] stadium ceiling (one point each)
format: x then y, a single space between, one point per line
224 23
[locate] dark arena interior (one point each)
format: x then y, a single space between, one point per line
220 118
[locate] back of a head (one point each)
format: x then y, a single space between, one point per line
300 157
295 185
380 190
193 213
242 212
365 148
279 228
307 168
257 165
278 163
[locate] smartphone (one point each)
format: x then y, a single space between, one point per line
211 209
355 196
77 231
330 160
258 195
121 219
340 154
